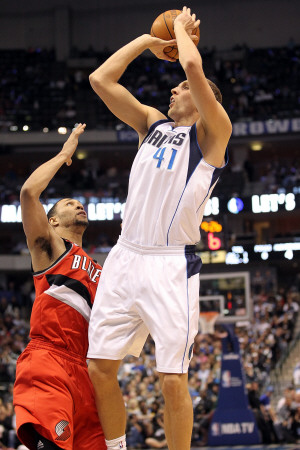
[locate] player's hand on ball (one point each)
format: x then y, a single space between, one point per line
189 22
157 46
163 28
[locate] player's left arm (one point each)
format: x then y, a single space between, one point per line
214 121
34 218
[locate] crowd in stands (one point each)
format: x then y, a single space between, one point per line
38 91
262 343
84 181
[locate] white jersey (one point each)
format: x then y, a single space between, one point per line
169 186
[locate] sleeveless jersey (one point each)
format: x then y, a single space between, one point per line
169 186
64 296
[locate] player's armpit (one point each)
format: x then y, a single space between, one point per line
34 218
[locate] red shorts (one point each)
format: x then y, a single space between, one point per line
53 392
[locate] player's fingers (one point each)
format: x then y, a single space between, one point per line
168 58
80 128
170 42
75 128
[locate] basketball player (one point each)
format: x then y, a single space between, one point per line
172 177
53 395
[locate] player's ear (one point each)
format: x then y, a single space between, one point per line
53 221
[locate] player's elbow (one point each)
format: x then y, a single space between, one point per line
26 192
97 81
192 66
93 79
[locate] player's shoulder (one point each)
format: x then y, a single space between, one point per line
153 116
162 123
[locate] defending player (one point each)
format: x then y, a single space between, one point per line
172 177
53 396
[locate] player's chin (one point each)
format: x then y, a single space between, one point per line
82 222
170 113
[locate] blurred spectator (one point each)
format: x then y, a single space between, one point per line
137 431
296 375
269 432
157 438
285 415
289 393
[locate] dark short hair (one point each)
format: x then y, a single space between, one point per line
216 90
52 210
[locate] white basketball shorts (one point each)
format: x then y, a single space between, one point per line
146 290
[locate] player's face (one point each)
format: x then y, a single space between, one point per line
181 102
71 212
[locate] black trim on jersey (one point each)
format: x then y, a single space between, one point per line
195 153
75 285
218 170
193 261
216 174
68 246
194 160
188 249
152 128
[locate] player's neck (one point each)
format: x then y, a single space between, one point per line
71 235
185 121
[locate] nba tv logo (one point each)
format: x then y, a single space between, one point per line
226 379
215 429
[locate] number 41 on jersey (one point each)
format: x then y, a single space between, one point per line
159 155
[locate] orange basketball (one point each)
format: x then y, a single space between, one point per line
163 28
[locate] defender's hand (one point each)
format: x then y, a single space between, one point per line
71 144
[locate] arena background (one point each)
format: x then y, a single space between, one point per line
258 23
253 223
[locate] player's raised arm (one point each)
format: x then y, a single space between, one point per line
34 218
105 82
214 121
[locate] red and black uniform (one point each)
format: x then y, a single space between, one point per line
53 390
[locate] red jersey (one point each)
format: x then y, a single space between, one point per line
64 296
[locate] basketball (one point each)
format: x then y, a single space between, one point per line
163 28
